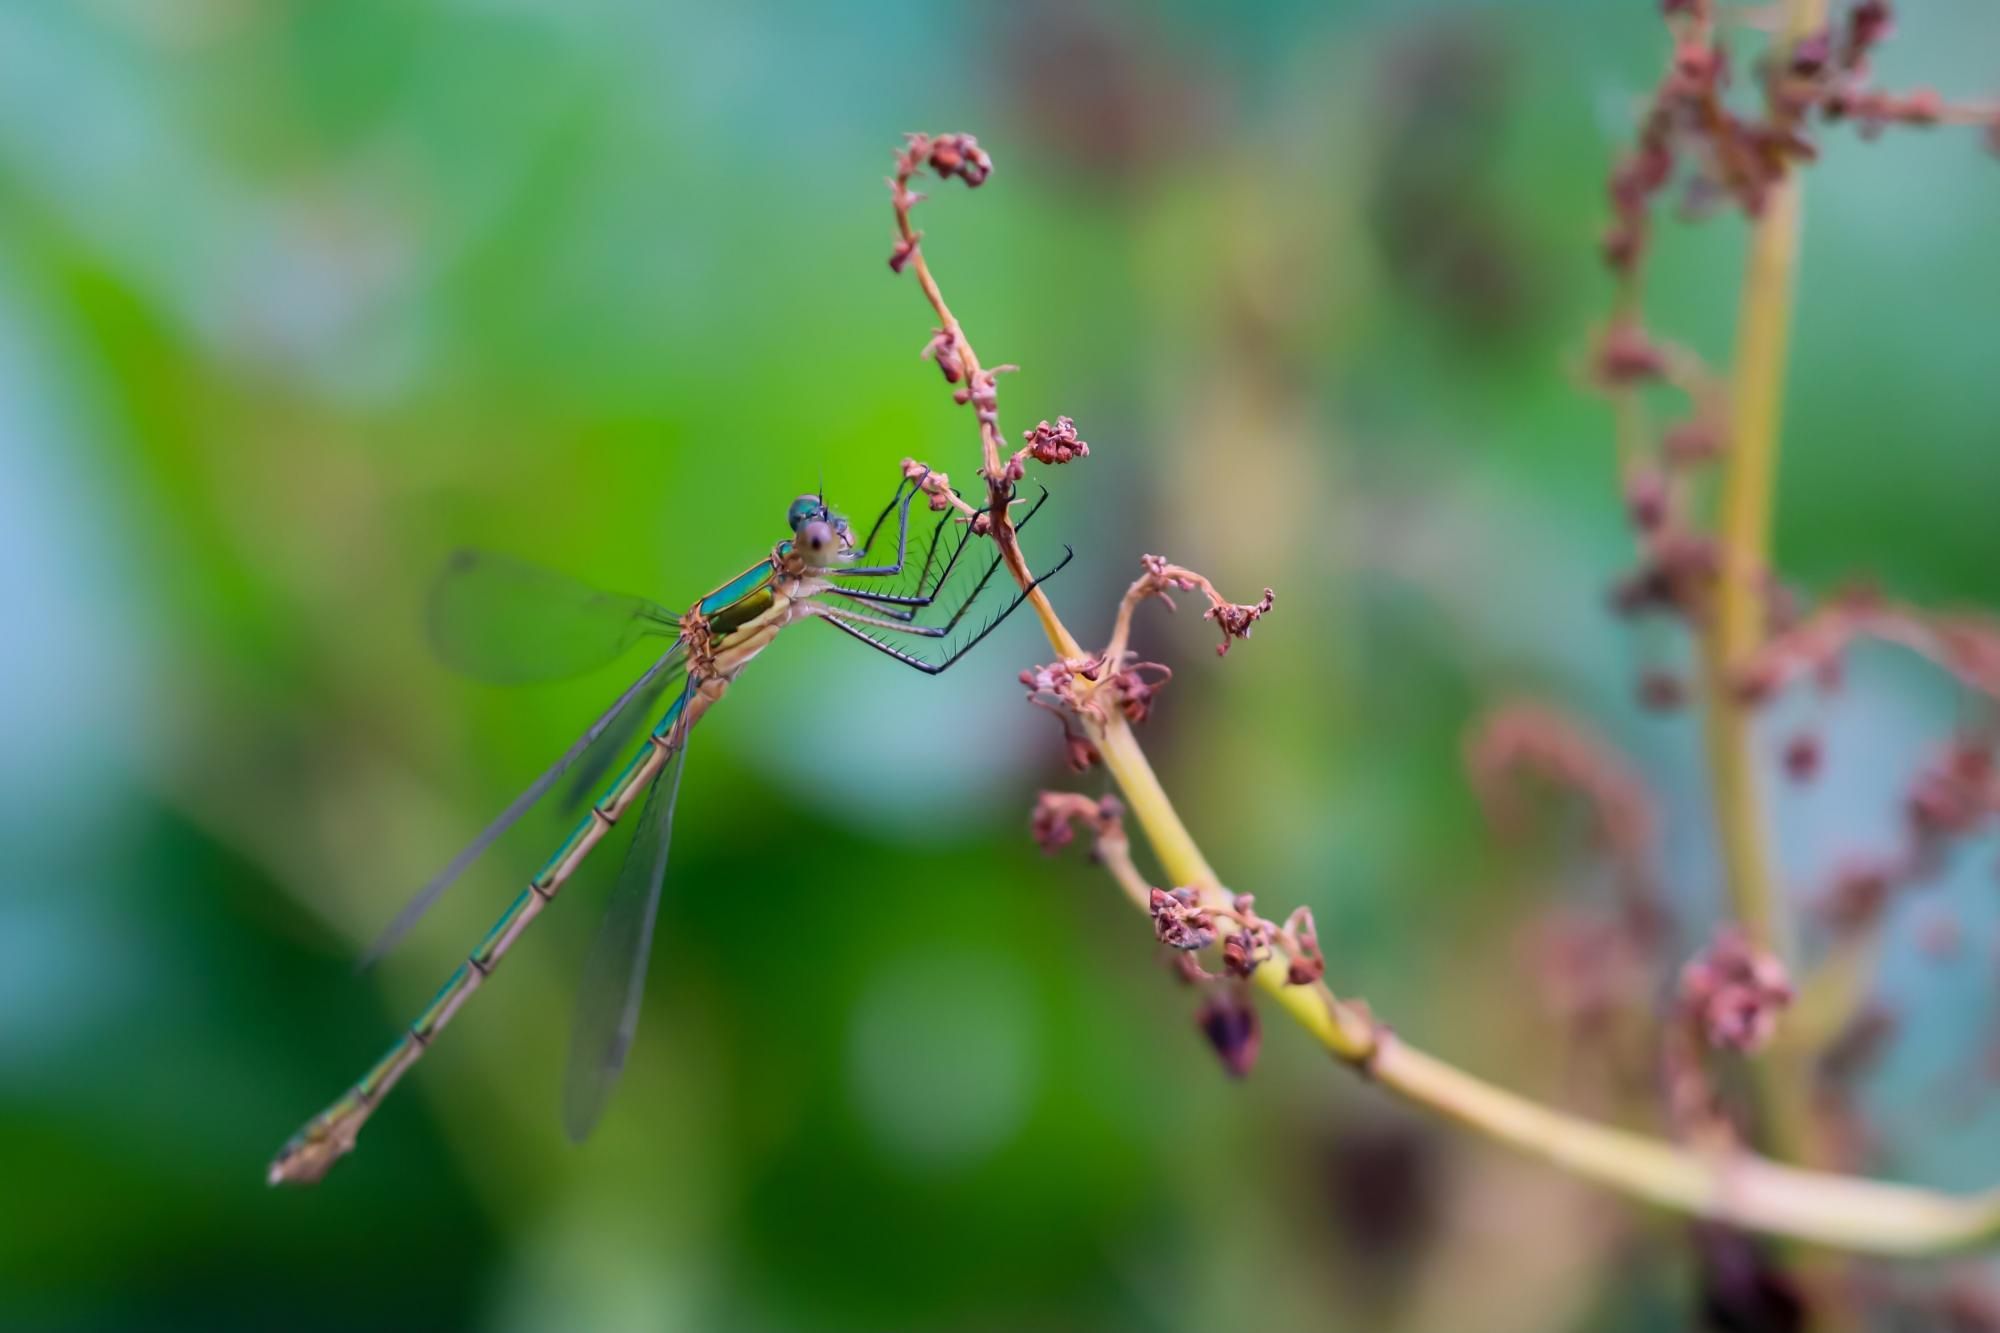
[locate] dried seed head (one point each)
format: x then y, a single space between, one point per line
1692 443
1056 813
1235 620
1734 992
960 155
1055 444
1178 920
1625 355
1049 824
1647 499
943 349
1803 756
1229 1021
1661 691
1858 892
1134 692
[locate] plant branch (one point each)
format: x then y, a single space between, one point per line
1749 478
1738 1189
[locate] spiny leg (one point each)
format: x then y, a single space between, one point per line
901 504
885 601
887 509
851 626
905 621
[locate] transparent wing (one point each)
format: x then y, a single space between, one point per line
592 740
587 782
614 975
512 622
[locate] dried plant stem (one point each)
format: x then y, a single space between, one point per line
980 380
1740 1189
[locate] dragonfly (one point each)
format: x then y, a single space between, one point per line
511 621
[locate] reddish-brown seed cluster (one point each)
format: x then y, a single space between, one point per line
1057 444
1179 921
1135 686
1057 813
1965 644
1229 1022
1858 890
1048 444
1743 156
1691 133
935 485
1161 578
947 155
1054 688
1734 992
1236 619
943 349
954 155
1955 794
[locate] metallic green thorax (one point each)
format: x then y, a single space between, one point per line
742 599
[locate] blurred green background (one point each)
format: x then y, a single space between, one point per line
296 297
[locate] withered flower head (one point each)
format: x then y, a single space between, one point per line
1734 991
1235 621
1229 1021
1179 922
1055 444
960 155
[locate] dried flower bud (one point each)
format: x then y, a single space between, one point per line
1803 755
1235 621
1179 922
1954 793
1049 824
943 349
1859 891
1056 813
1080 753
1626 355
1646 499
1811 53
1661 691
1239 955
1868 24
1134 692
1055 444
899 257
1229 1021
960 155
1734 992
1692 443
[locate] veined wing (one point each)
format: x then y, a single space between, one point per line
644 688
512 622
614 975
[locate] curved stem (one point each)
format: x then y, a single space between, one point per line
1743 1190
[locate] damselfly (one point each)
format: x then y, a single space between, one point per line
501 619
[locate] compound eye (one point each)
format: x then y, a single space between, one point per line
804 508
818 542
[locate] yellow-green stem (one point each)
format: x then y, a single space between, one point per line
1744 539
